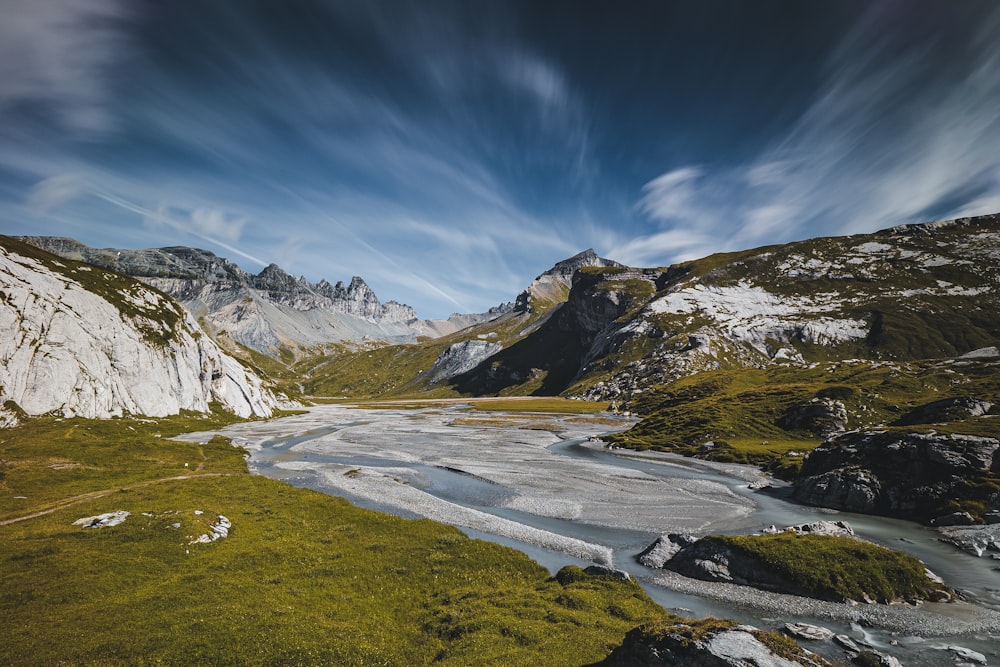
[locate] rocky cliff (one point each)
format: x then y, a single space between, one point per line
266 311
76 340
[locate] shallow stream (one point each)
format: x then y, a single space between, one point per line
547 473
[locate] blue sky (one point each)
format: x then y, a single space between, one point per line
448 152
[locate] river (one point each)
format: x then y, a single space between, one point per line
540 483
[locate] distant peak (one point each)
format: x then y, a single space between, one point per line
586 258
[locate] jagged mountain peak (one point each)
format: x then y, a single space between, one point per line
264 311
552 286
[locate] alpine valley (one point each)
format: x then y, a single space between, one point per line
860 374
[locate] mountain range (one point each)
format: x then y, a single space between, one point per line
269 311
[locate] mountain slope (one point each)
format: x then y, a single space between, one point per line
914 292
265 312
431 367
80 341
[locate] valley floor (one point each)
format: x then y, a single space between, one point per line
541 480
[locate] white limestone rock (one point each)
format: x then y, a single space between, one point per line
77 341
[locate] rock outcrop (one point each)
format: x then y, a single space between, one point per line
461 357
694 645
946 410
711 559
909 475
663 549
79 341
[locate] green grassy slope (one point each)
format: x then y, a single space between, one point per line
740 410
302 578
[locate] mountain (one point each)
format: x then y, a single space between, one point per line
430 366
76 340
267 311
907 293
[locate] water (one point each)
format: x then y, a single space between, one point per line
331 444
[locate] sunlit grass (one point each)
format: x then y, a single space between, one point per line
302 578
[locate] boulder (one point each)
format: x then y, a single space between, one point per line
810 632
909 475
945 410
821 416
664 548
683 644
967 654
977 540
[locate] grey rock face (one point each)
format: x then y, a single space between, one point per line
896 474
70 344
946 410
260 311
839 528
733 647
461 357
977 540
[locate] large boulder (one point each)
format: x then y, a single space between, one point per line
945 410
892 473
707 643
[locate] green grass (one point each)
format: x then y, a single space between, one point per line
836 568
303 578
739 410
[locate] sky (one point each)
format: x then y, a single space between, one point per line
449 152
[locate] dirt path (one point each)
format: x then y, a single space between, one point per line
92 495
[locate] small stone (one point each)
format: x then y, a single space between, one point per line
807 631
847 643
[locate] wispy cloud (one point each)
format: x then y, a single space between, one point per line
53 54
892 136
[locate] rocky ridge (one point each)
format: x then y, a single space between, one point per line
79 341
266 311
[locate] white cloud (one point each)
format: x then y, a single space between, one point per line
55 191
216 223
672 195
